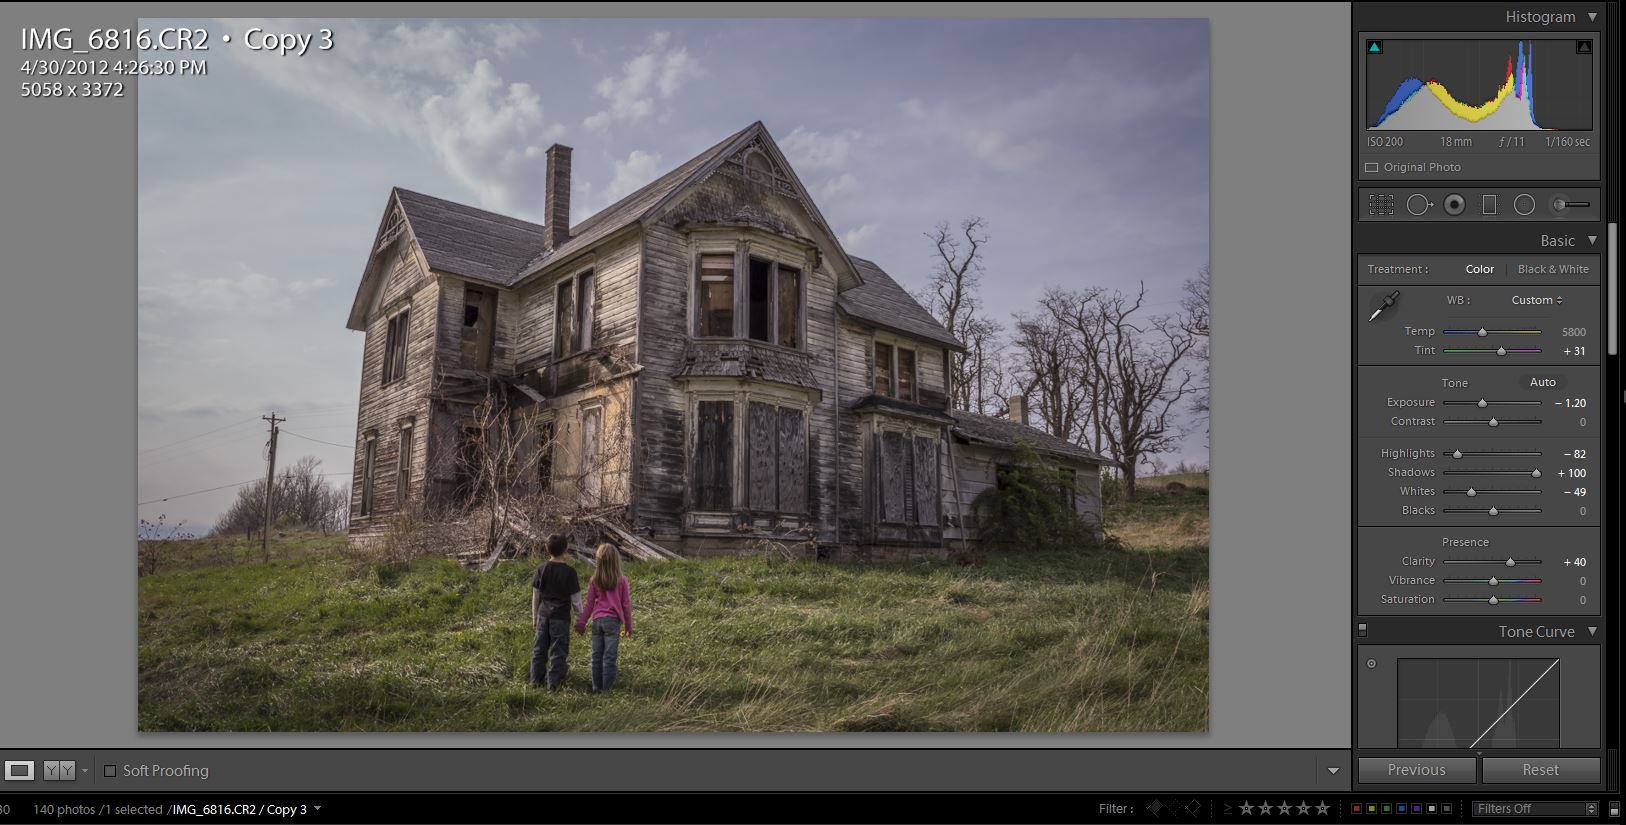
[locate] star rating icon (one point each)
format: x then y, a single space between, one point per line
1322 808
1247 807
1304 808
1284 808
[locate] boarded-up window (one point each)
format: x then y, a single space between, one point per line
776 441
395 348
906 374
759 301
893 477
479 323
403 467
790 307
544 456
762 445
924 474
715 302
713 487
368 461
883 368
592 468
906 474
792 461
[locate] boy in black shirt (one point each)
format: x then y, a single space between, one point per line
555 590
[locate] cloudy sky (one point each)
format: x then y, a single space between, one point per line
1083 144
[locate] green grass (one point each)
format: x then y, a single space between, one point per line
1104 640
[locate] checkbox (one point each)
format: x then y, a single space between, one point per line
110 771
1369 167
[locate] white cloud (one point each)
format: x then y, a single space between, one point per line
1001 151
246 292
638 169
659 71
806 149
855 239
434 83
836 187
913 108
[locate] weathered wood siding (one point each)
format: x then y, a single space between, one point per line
772 223
974 471
382 407
856 362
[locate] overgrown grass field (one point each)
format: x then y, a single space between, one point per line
1111 639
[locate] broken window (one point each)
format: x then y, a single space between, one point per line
759 301
395 347
585 300
713 457
790 307
883 368
368 459
403 467
564 319
479 323
715 312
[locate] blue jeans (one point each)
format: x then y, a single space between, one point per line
552 642
606 646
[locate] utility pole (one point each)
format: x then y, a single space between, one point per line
270 479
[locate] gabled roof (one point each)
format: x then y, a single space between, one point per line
881 302
473 243
1003 432
631 208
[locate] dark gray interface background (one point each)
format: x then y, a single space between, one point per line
1280 227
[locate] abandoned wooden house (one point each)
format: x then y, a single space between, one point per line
702 357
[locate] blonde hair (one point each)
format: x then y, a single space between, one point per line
607 572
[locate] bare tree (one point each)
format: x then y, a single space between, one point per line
1194 308
1144 378
977 378
303 500
1050 374
517 474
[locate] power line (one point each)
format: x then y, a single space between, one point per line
318 440
199 435
196 492
221 487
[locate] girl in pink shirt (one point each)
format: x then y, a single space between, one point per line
609 608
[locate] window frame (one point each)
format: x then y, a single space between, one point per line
593 408
739 403
743 254
583 289
393 366
894 368
910 507
404 450
369 474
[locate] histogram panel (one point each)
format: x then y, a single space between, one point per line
1503 85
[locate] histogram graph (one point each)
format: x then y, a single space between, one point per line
1455 85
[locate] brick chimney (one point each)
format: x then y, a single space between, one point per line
556 202
1019 409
